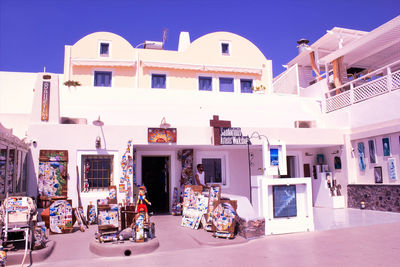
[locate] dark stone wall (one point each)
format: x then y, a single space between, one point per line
375 197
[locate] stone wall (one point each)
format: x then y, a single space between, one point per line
375 197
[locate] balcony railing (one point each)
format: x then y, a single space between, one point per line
373 84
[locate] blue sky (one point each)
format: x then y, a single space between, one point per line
33 32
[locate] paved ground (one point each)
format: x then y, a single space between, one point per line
352 238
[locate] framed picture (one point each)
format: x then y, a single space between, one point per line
361 155
372 151
378 175
320 159
338 163
274 158
386 146
392 168
284 201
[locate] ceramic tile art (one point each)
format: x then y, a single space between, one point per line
60 216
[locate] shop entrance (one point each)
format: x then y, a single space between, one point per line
291 167
155 176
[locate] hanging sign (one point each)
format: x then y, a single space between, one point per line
161 135
232 136
45 101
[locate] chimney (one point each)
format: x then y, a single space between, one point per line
184 41
303 45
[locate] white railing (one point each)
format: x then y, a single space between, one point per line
363 88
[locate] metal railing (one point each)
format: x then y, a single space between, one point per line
370 85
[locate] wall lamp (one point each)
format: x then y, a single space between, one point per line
98 142
308 154
164 124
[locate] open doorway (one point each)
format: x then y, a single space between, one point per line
155 176
291 167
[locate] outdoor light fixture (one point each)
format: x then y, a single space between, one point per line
309 154
98 142
98 122
164 124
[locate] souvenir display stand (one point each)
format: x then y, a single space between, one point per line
285 203
326 192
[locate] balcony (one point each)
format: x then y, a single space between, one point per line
363 87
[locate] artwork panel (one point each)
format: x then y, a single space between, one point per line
372 151
284 201
378 175
386 146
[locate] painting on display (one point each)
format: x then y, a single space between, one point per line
224 218
91 214
386 146
52 178
161 135
320 159
186 156
284 201
372 151
392 168
378 175
213 197
361 156
274 157
338 163
61 216
112 194
108 215
128 171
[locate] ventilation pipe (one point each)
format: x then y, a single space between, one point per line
184 41
303 45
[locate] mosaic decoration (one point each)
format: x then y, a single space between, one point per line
187 167
195 205
224 218
128 171
60 216
45 101
83 217
3 257
176 205
108 215
161 135
284 201
91 214
52 178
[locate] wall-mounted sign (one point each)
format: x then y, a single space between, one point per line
232 136
160 135
45 101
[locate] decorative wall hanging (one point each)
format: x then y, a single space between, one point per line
61 216
320 159
386 146
361 156
161 135
392 168
284 201
53 174
128 173
378 175
214 196
187 167
372 151
224 218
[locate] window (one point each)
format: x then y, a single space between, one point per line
212 170
104 49
205 83
245 85
158 81
226 85
225 49
98 171
102 78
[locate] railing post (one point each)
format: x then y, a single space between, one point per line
389 79
351 93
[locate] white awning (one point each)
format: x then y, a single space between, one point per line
170 65
103 62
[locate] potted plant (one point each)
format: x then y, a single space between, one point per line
259 89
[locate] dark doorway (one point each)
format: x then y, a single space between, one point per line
291 167
155 176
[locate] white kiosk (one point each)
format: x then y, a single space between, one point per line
285 203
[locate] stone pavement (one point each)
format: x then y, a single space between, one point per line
373 244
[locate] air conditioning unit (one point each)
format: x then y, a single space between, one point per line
304 124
